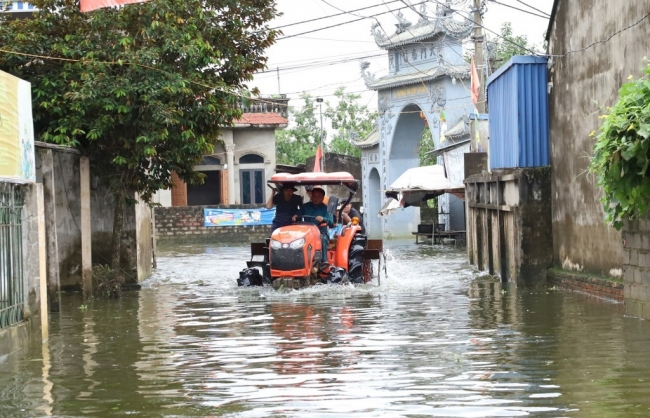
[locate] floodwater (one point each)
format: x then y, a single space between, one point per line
434 339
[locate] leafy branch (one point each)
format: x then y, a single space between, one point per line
621 153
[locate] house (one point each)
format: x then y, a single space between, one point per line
593 46
237 171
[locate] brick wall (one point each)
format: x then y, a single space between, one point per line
636 262
185 225
179 191
584 283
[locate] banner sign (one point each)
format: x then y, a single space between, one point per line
90 5
238 217
16 130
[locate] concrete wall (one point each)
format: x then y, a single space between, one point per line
31 264
581 82
67 205
102 214
67 208
509 224
186 225
163 198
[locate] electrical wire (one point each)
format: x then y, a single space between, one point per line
521 10
330 16
498 35
603 40
344 23
538 10
261 100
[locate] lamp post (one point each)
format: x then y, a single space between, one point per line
319 100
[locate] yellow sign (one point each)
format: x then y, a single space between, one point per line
409 91
16 130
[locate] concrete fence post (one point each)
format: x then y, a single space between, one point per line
86 231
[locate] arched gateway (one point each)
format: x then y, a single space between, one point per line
427 84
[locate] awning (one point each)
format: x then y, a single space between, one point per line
419 184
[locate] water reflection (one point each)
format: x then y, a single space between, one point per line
436 339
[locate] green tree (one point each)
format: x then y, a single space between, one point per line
142 89
507 46
294 145
348 117
426 146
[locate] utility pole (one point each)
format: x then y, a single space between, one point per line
277 69
478 38
319 100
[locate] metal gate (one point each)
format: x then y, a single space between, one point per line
12 295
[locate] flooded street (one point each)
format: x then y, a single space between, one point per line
435 339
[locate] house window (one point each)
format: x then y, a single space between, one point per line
252 186
251 159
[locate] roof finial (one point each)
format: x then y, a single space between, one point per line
368 77
403 23
378 32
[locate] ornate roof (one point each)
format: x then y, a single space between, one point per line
396 80
369 141
459 130
425 28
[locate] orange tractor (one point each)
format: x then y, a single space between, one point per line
291 258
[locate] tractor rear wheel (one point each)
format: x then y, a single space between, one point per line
355 258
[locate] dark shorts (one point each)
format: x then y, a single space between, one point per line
277 224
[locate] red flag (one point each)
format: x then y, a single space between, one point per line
476 83
90 5
317 160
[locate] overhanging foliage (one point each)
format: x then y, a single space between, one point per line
621 158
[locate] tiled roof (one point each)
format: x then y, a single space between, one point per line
269 118
426 30
369 141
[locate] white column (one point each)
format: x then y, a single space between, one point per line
230 154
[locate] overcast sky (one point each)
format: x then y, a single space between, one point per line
354 40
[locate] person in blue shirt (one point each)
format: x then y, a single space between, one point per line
316 212
286 206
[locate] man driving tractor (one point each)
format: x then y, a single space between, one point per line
315 211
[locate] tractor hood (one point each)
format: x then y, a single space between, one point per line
289 234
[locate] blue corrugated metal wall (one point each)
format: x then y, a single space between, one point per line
518 107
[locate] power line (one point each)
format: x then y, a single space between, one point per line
350 12
321 63
528 5
521 10
309 64
344 23
330 16
498 35
603 40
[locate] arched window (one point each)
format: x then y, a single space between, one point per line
251 159
207 160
